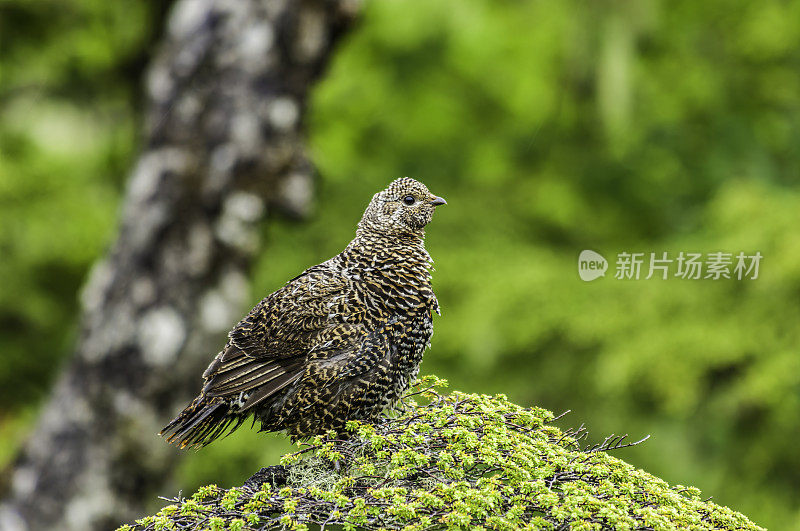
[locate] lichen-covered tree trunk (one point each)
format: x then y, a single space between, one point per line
223 145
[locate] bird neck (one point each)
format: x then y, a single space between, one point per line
365 233
381 246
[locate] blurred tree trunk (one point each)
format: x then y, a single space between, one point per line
226 98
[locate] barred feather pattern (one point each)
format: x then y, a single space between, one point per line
341 341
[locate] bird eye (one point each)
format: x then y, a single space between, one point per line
409 200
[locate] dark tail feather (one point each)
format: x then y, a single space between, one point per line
201 422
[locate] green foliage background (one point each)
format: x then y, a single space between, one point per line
550 127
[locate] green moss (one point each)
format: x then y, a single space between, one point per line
455 461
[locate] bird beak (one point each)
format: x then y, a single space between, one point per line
436 201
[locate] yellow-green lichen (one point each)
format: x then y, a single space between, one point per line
457 461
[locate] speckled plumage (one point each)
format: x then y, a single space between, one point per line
340 341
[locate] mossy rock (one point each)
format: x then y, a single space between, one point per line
458 461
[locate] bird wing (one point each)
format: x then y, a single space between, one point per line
337 376
267 350
287 322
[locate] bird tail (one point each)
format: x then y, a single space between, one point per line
204 420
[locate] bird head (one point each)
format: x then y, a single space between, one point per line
404 207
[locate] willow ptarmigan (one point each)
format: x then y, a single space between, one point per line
339 342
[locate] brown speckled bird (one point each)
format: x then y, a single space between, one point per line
341 341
